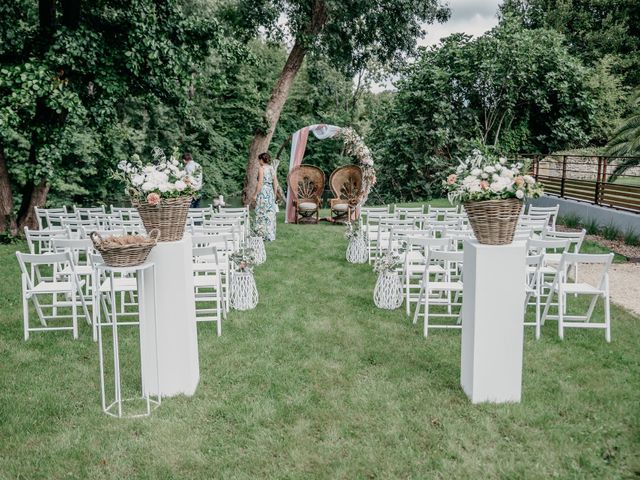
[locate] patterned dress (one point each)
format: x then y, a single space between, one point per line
266 206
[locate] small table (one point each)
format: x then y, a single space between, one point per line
107 290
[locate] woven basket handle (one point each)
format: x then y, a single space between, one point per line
95 238
154 235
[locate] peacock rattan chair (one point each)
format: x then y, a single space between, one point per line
306 183
346 185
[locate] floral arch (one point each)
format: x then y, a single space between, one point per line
353 146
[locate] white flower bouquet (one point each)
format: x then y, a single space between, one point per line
161 179
355 146
244 259
482 176
353 231
387 263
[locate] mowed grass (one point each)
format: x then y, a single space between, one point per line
318 383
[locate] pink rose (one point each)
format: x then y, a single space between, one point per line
451 179
484 185
153 199
519 181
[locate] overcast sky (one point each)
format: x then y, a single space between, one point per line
474 17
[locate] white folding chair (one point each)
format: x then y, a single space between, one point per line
552 212
224 245
207 280
402 212
415 262
562 287
37 284
80 250
39 241
443 292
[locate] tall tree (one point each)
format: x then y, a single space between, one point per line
67 70
350 34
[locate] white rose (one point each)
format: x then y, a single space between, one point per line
529 179
489 169
485 176
503 160
519 194
137 180
476 172
148 169
147 186
180 185
507 173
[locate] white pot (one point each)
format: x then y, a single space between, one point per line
357 250
388 291
257 244
244 293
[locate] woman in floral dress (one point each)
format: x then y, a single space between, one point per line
265 199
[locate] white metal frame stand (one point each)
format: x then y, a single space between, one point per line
115 408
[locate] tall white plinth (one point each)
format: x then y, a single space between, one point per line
492 322
178 363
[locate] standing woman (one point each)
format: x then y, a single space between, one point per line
265 198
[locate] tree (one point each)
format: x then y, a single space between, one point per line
626 140
349 34
68 68
512 89
593 29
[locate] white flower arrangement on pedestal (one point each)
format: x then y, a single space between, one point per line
388 289
354 146
357 247
163 178
482 176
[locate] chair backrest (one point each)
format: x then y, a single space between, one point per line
448 259
223 242
575 238
551 211
306 182
604 259
547 245
39 241
424 244
534 262
346 183
403 211
30 264
88 212
442 211
366 210
79 248
206 254
57 219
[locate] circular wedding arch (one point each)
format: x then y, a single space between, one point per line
353 146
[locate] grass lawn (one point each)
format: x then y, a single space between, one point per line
318 383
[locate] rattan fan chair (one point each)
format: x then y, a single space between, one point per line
346 185
306 183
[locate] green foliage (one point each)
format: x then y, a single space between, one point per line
592 226
631 237
626 139
515 89
571 220
610 232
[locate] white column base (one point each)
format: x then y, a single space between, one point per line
492 322
179 366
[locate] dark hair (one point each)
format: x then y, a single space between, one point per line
186 156
265 157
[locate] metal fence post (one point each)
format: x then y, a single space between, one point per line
564 175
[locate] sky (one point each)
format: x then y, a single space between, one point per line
473 17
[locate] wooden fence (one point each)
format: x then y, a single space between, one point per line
588 179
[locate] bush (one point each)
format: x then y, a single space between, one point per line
610 232
570 220
631 237
592 226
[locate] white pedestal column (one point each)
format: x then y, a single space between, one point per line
179 367
492 322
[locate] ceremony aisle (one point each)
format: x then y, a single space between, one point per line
318 383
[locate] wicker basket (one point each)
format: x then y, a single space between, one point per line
124 255
494 221
169 216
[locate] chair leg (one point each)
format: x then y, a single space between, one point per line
561 299
417 312
25 310
74 314
607 318
537 316
406 288
426 315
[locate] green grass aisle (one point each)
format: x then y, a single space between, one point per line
318 383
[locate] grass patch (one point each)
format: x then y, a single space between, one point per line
592 226
610 232
570 220
318 383
631 237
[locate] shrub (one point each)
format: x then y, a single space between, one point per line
610 232
592 226
570 220
631 237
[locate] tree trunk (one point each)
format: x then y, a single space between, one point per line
280 93
34 195
7 221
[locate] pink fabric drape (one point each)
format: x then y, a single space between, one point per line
298 147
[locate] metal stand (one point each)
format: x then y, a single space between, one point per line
115 408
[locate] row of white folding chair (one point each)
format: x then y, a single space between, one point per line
54 284
225 245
